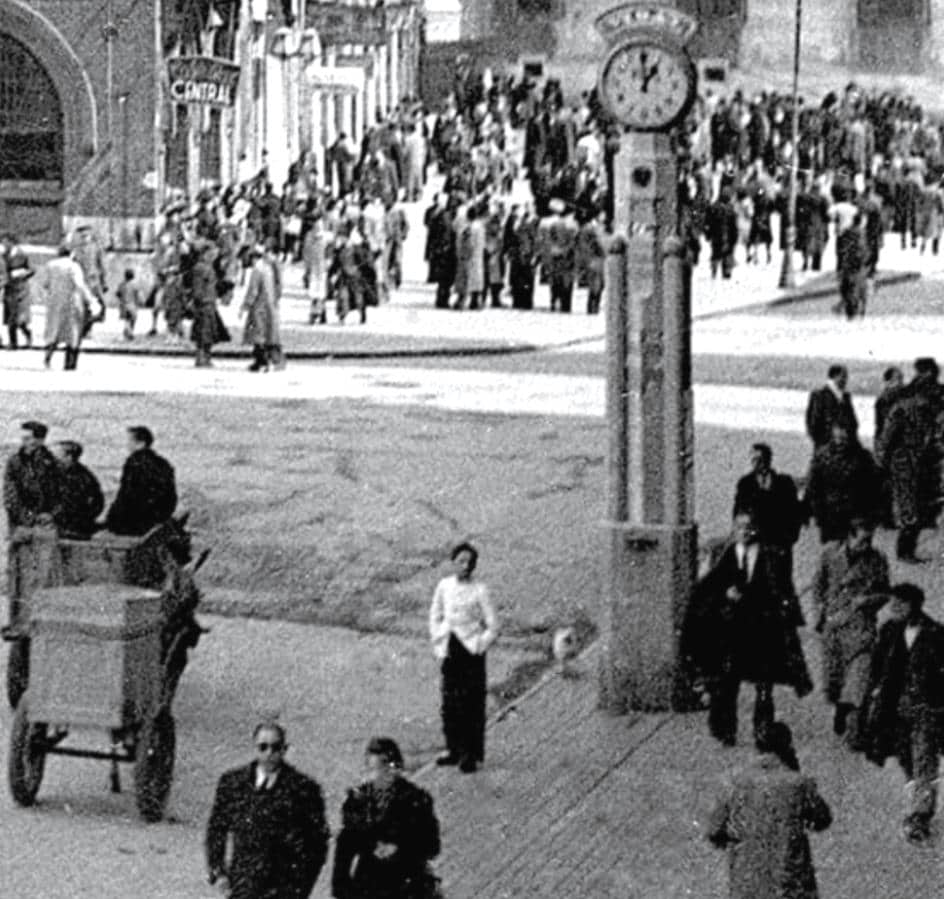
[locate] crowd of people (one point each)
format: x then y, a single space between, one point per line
882 655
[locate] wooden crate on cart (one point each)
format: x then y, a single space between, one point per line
95 655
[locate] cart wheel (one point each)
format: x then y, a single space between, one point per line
27 755
154 765
17 670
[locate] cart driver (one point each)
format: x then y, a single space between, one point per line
147 495
32 483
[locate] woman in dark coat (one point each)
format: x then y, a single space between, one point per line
763 820
441 249
208 327
389 834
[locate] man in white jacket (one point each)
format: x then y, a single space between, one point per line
462 626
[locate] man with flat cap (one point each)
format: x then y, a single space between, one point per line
147 494
32 483
82 499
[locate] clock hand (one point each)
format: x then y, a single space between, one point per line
648 76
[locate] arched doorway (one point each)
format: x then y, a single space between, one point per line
31 146
891 34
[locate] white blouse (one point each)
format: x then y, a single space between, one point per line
465 609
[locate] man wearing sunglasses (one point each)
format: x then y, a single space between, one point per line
273 816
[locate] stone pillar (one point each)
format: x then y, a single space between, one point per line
394 57
653 541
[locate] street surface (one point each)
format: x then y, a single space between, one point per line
375 466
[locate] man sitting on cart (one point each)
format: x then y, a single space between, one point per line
82 499
147 495
32 483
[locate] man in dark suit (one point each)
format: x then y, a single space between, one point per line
274 816
906 702
389 833
829 404
742 627
147 494
772 497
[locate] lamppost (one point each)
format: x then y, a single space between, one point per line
787 275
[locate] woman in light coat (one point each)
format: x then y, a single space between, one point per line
261 304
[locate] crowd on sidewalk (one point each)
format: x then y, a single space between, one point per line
882 654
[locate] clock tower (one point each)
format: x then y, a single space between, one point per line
647 83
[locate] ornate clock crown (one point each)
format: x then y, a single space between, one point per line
631 18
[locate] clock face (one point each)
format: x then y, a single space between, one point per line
646 85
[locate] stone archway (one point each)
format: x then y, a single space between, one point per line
48 123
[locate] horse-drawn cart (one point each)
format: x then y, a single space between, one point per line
100 631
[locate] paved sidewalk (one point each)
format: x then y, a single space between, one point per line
572 802
409 325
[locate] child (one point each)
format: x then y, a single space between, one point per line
129 299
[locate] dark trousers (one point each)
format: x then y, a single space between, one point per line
521 282
463 702
917 747
722 712
562 291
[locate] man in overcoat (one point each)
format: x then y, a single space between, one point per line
261 305
843 482
850 586
147 493
519 245
906 702
62 285
742 626
32 481
772 497
828 404
389 833
273 815
208 327
910 450
763 819
557 242
440 252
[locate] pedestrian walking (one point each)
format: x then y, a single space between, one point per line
850 586
88 253
207 328
68 300
315 277
266 837
557 242
742 626
463 625
147 492
828 404
440 250
771 498
389 833
17 301
763 819
129 301
843 483
591 260
909 448
721 229
261 306
906 702
520 247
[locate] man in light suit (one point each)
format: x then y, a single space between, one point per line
68 299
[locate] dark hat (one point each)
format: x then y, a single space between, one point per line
926 365
36 428
72 448
387 749
141 434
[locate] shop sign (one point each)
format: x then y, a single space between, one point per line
337 25
203 80
357 61
335 80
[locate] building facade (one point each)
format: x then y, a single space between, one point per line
880 36
107 106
